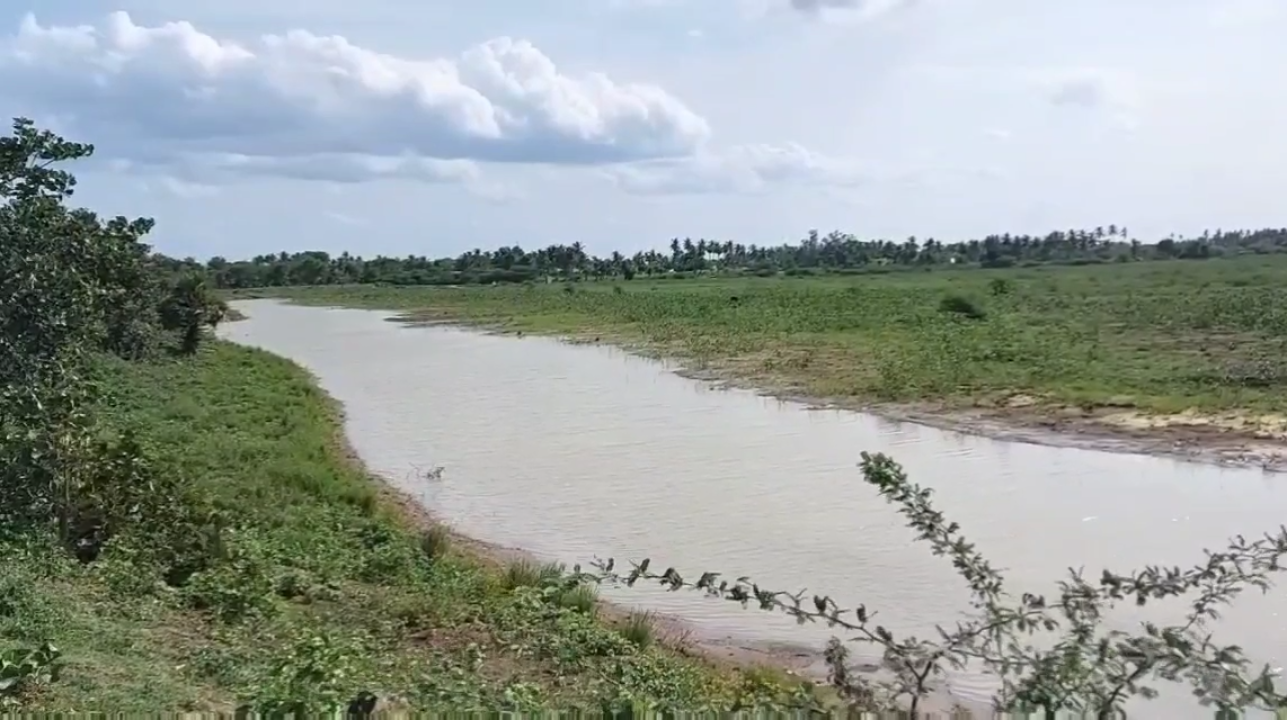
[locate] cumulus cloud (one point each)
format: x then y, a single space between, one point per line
304 105
742 169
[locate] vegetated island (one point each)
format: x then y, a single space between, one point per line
185 530
1078 337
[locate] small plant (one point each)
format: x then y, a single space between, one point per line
435 542
235 589
582 598
22 668
1000 286
962 306
638 629
527 573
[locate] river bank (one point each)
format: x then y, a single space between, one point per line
330 585
725 655
1232 438
673 632
1175 359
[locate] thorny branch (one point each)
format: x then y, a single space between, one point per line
1082 666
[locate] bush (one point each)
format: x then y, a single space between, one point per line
962 306
638 629
527 573
240 586
581 598
435 542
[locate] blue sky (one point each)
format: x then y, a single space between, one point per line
396 127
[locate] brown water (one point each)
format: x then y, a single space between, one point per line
573 452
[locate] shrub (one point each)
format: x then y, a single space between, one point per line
435 542
527 573
638 629
582 598
962 306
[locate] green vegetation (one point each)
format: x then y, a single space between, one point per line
1157 337
323 591
836 253
182 529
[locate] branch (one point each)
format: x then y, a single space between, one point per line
1086 667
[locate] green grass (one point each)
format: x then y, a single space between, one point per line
326 589
1160 337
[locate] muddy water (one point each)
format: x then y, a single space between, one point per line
572 452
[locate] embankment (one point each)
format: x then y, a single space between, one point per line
330 585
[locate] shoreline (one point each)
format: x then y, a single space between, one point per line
722 652
1024 422
675 633
1231 439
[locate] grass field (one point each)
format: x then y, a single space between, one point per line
325 589
1153 338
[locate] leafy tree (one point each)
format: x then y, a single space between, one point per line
71 287
50 319
189 308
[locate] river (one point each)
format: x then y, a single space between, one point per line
573 452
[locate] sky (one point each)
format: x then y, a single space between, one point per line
432 127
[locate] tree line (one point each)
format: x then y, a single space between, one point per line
815 254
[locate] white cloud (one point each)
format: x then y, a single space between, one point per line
172 90
742 169
175 101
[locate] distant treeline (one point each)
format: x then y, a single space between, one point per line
816 254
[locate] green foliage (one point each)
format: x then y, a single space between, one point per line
435 542
23 668
962 306
189 308
582 598
638 629
523 573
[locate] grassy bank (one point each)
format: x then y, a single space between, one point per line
1149 338
323 590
